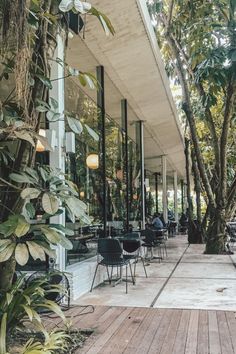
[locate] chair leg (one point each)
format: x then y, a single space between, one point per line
131 273
108 275
135 262
94 277
144 266
111 272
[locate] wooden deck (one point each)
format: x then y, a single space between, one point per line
149 330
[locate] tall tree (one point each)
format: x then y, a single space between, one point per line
198 40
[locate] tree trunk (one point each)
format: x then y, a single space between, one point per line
192 231
215 242
7 270
197 186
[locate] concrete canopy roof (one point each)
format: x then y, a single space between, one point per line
132 61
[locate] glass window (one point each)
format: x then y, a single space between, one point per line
115 174
84 170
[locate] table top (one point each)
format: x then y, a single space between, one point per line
81 237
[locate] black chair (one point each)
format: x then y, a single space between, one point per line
132 245
112 256
161 240
151 242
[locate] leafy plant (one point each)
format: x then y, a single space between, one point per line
29 31
24 303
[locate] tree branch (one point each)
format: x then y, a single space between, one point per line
224 137
171 7
187 107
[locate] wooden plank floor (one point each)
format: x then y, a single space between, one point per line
151 330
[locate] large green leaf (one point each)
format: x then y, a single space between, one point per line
28 311
53 116
33 173
24 135
4 244
104 20
30 210
45 80
76 206
54 103
47 249
52 306
65 242
8 227
22 227
21 254
30 193
36 251
92 133
44 173
75 125
7 252
21 178
50 203
51 235
63 229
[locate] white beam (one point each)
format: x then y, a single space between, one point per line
57 156
164 189
176 196
141 146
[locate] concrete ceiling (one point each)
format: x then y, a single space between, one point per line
135 71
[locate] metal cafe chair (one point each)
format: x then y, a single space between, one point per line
151 242
132 247
112 256
161 239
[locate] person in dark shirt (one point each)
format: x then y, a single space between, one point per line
156 222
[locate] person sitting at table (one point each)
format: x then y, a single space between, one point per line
156 222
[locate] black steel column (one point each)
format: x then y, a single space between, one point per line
156 190
101 107
141 150
182 195
124 119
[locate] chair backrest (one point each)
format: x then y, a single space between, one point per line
150 236
110 249
132 244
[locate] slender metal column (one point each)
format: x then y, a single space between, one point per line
182 195
141 146
102 119
57 156
164 189
124 118
156 174
176 196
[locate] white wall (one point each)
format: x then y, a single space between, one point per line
81 276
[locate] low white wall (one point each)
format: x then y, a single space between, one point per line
81 276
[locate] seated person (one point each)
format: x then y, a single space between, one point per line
157 223
183 220
163 221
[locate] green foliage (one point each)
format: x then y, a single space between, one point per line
24 303
28 38
197 40
22 238
53 343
